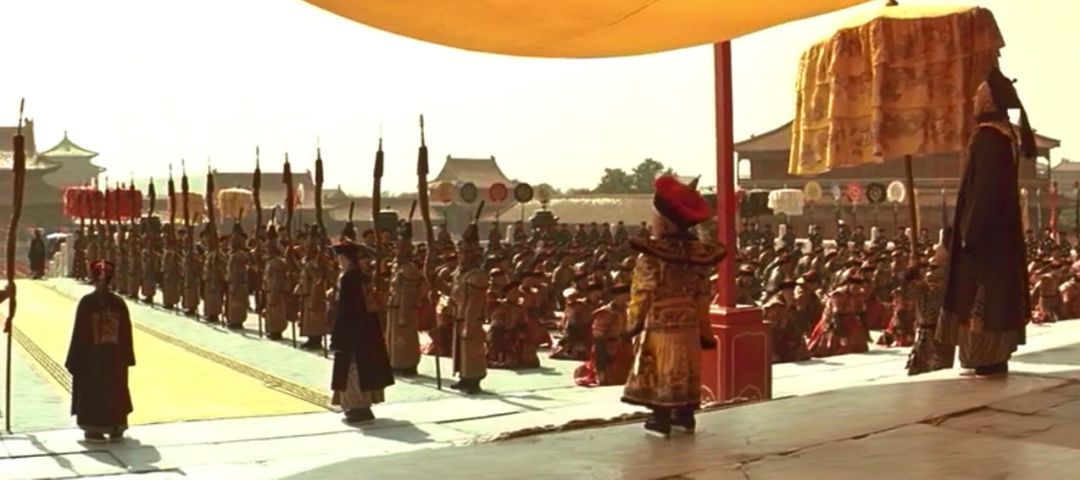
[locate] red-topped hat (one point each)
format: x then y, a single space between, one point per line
679 203
100 267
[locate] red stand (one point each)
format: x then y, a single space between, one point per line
741 365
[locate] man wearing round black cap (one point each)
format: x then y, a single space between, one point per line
669 305
789 344
612 355
986 293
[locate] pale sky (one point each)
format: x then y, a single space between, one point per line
147 82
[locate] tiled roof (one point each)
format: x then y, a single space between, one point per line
67 148
481 171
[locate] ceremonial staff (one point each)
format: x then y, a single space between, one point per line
319 220
429 260
211 214
376 207
286 177
290 197
184 190
172 200
256 186
18 171
352 206
153 198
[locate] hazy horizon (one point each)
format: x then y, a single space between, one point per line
148 83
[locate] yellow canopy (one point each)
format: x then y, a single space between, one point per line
892 82
576 28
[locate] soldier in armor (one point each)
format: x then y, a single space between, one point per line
1047 296
237 273
277 287
193 265
576 341
780 311
151 265
669 305
171 273
78 268
402 335
469 289
1070 296
214 283
612 355
312 290
122 260
841 329
134 275
906 298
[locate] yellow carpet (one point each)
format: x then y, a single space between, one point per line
168 383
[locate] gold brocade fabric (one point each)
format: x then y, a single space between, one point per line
891 87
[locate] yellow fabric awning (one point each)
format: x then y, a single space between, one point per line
576 28
891 82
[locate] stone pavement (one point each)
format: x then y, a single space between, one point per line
934 426
846 397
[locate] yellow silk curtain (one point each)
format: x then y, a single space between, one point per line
899 82
576 28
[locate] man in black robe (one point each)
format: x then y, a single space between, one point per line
98 359
37 255
361 362
986 293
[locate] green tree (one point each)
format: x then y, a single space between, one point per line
641 179
615 180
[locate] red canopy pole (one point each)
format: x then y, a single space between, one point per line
741 367
726 206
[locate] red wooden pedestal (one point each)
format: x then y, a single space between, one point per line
741 364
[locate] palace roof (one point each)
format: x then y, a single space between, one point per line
481 171
779 140
68 149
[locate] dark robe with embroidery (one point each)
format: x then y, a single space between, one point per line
357 337
986 258
98 359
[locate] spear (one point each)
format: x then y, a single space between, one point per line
172 198
318 191
429 231
256 186
376 207
352 206
18 171
211 214
184 190
290 195
286 177
153 198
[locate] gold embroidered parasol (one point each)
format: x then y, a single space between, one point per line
893 83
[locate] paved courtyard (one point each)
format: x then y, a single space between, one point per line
841 416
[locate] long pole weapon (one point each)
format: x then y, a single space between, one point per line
319 220
19 172
429 232
172 200
290 195
376 207
256 186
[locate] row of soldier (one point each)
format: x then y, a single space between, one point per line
583 273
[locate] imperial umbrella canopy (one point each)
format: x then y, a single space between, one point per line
576 29
896 82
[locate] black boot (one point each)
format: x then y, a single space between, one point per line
94 437
313 343
684 419
659 423
472 387
406 372
274 336
993 371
